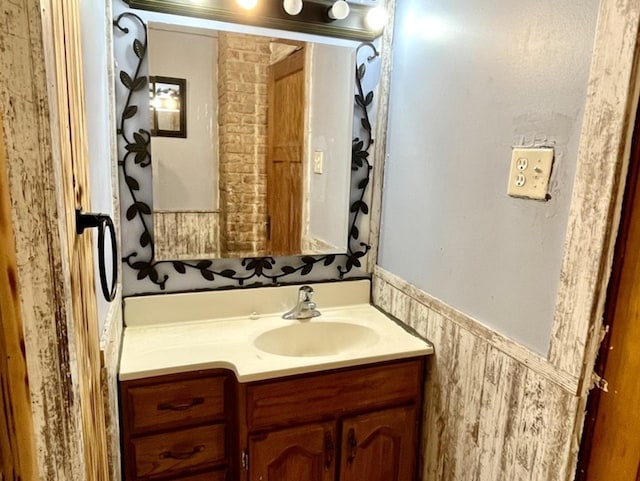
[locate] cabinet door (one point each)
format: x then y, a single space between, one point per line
379 446
302 453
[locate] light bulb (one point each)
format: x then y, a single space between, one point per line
292 7
339 10
376 18
247 4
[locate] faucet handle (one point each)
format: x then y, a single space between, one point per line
305 293
305 308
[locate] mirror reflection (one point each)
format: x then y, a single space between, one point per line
264 167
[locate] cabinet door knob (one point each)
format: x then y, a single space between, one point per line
352 445
182 455
329 450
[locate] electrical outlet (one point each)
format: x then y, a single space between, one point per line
530 172
318 160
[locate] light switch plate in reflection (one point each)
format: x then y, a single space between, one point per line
318 159
529 173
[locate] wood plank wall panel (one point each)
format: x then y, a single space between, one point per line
40 261
500 411
451 433
489 415
17 447
549 411
186 235
33 89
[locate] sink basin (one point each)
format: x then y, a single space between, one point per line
316 339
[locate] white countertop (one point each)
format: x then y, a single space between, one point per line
165 348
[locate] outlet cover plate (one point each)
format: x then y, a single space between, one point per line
530 172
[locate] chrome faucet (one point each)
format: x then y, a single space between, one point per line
305 308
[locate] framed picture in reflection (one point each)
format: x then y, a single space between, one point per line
168 106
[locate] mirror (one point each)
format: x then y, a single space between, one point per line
264 167
143 272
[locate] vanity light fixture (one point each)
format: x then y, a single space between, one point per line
338 11
351 19
292 7
376 19
247 4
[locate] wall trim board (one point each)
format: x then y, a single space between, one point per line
399 306
380 135
110 344
111 335
603 156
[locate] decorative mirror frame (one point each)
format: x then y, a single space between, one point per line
135 148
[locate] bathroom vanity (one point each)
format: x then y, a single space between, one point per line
347 424
199 400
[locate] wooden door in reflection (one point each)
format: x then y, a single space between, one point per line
286 92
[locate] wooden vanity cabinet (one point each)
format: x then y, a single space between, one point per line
178 427
355 424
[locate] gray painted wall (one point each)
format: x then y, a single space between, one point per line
185 174
331 125
95 27
469 81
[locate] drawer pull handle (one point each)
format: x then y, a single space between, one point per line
187 455
180 407
352 446
329 448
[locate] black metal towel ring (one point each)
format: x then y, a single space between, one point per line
85 220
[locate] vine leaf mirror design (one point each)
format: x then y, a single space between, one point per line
136 154
168 106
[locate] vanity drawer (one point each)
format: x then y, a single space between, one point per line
176 403
179 450
312 397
